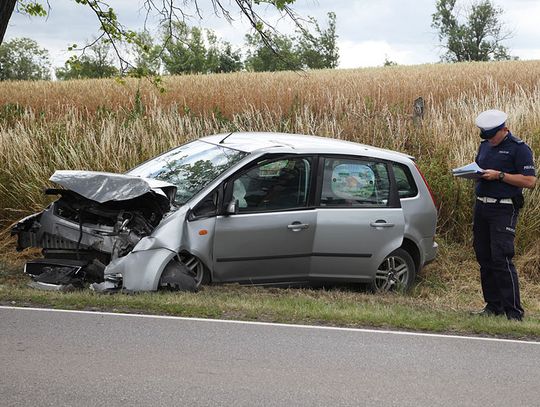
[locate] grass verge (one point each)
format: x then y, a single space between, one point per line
431 307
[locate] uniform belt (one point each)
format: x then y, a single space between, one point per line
487 199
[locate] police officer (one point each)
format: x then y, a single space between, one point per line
508 168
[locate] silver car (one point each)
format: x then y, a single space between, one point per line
254 208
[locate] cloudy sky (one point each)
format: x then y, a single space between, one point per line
369 30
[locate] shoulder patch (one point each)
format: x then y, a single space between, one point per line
515 139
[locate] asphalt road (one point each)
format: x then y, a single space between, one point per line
50 358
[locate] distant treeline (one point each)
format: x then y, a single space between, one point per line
188 50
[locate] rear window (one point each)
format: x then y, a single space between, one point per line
405 182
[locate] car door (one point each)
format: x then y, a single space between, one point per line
359 218
270 238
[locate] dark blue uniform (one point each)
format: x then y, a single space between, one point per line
495 224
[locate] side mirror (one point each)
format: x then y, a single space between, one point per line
232 207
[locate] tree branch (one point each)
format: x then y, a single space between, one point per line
6 10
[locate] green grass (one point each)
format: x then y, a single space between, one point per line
345 307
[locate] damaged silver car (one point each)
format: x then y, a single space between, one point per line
256 208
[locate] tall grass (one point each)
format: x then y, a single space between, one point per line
102 125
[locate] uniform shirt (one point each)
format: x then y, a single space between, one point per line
511 156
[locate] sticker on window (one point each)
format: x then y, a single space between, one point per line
272 169
353 181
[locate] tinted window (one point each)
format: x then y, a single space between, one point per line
405 181
274 185
354 182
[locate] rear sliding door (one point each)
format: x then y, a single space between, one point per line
359 218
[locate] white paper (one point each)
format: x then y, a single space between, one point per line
471 171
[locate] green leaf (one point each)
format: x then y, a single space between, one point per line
32 8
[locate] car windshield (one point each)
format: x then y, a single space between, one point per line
189 167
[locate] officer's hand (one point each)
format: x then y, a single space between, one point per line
490 175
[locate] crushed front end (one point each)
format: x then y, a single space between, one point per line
98 219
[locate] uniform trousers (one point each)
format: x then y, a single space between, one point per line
494 231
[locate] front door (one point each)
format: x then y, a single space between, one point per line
270 239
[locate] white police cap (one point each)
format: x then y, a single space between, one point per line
490 122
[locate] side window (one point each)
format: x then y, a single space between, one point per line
405 182
207 207
354 183
274 185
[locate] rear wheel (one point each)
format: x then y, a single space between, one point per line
396 272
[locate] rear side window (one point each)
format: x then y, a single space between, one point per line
354 182
405 182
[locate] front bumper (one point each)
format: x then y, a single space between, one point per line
140 270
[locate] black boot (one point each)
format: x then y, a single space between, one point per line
488 311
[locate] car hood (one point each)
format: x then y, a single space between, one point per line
105 186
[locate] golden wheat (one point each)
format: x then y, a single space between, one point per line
105 125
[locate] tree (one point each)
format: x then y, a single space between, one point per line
147 56
94 63
475 37
389 62
221 56
6 10
306 50
185 51
319 50
196 50
168 11
23 59
261 57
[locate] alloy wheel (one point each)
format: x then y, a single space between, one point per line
393 273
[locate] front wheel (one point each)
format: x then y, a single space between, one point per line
196 268
396 272
177 277
184 273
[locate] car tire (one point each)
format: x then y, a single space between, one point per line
196 268
397 272
177 277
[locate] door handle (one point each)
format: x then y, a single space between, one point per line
297 226
381 224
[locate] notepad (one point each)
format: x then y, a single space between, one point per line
470 171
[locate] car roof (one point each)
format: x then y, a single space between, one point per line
251 142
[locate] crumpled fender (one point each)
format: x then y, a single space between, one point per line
168 234
141 270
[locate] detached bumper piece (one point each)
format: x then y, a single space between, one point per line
112 284
62 274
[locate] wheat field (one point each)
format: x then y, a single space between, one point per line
107 125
